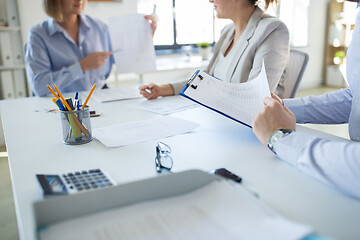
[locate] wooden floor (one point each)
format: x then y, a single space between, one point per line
8 225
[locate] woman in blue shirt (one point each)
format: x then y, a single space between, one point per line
70 49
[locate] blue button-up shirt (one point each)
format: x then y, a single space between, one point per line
53 56
335 163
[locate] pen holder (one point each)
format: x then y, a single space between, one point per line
76 126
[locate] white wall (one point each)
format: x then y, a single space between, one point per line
313 76
32 13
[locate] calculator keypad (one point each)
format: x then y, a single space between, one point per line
85 180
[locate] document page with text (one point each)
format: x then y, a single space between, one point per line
239 101
132 44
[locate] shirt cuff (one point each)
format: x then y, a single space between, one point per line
76 71
290 147
297 107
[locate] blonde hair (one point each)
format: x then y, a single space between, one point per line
53 9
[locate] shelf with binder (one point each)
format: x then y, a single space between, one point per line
12 65
340 25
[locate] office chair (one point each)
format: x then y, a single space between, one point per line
30 92
295 71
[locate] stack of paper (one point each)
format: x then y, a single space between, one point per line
141 131
116 94
166 105
216 211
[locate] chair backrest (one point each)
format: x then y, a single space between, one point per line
30 92
295 71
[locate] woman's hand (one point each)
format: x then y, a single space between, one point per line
152 91
94 61
153 23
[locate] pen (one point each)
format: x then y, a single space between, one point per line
88 97
76 101
71 105
117 50
59 104
146 89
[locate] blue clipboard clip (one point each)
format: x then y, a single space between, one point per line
193 77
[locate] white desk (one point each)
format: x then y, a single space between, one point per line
34 145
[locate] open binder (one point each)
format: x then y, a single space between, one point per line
186 205
238 101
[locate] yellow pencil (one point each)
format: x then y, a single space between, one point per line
52 91
62 98
88 97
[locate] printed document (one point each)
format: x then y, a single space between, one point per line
218 210
115 94
132 43
166 105
123 134
239 101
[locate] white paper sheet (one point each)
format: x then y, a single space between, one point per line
141 131
132 42
116 94
216 211
166 105
241 101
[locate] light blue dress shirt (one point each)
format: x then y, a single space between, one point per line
52 55
334 163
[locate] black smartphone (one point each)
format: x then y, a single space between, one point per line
226 174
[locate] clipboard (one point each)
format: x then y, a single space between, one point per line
238 101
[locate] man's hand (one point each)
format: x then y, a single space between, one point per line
277 98
272 117
152 91
94 61
153 23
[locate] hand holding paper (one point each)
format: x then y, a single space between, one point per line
133 35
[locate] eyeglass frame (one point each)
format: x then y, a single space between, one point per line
161 153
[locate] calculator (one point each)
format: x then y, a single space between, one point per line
73 182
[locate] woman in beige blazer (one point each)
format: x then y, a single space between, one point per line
252 37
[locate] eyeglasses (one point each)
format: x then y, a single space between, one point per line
163 160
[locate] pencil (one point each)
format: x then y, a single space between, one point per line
52 91
62 98
88 97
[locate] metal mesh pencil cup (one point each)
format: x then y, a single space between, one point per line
76 126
